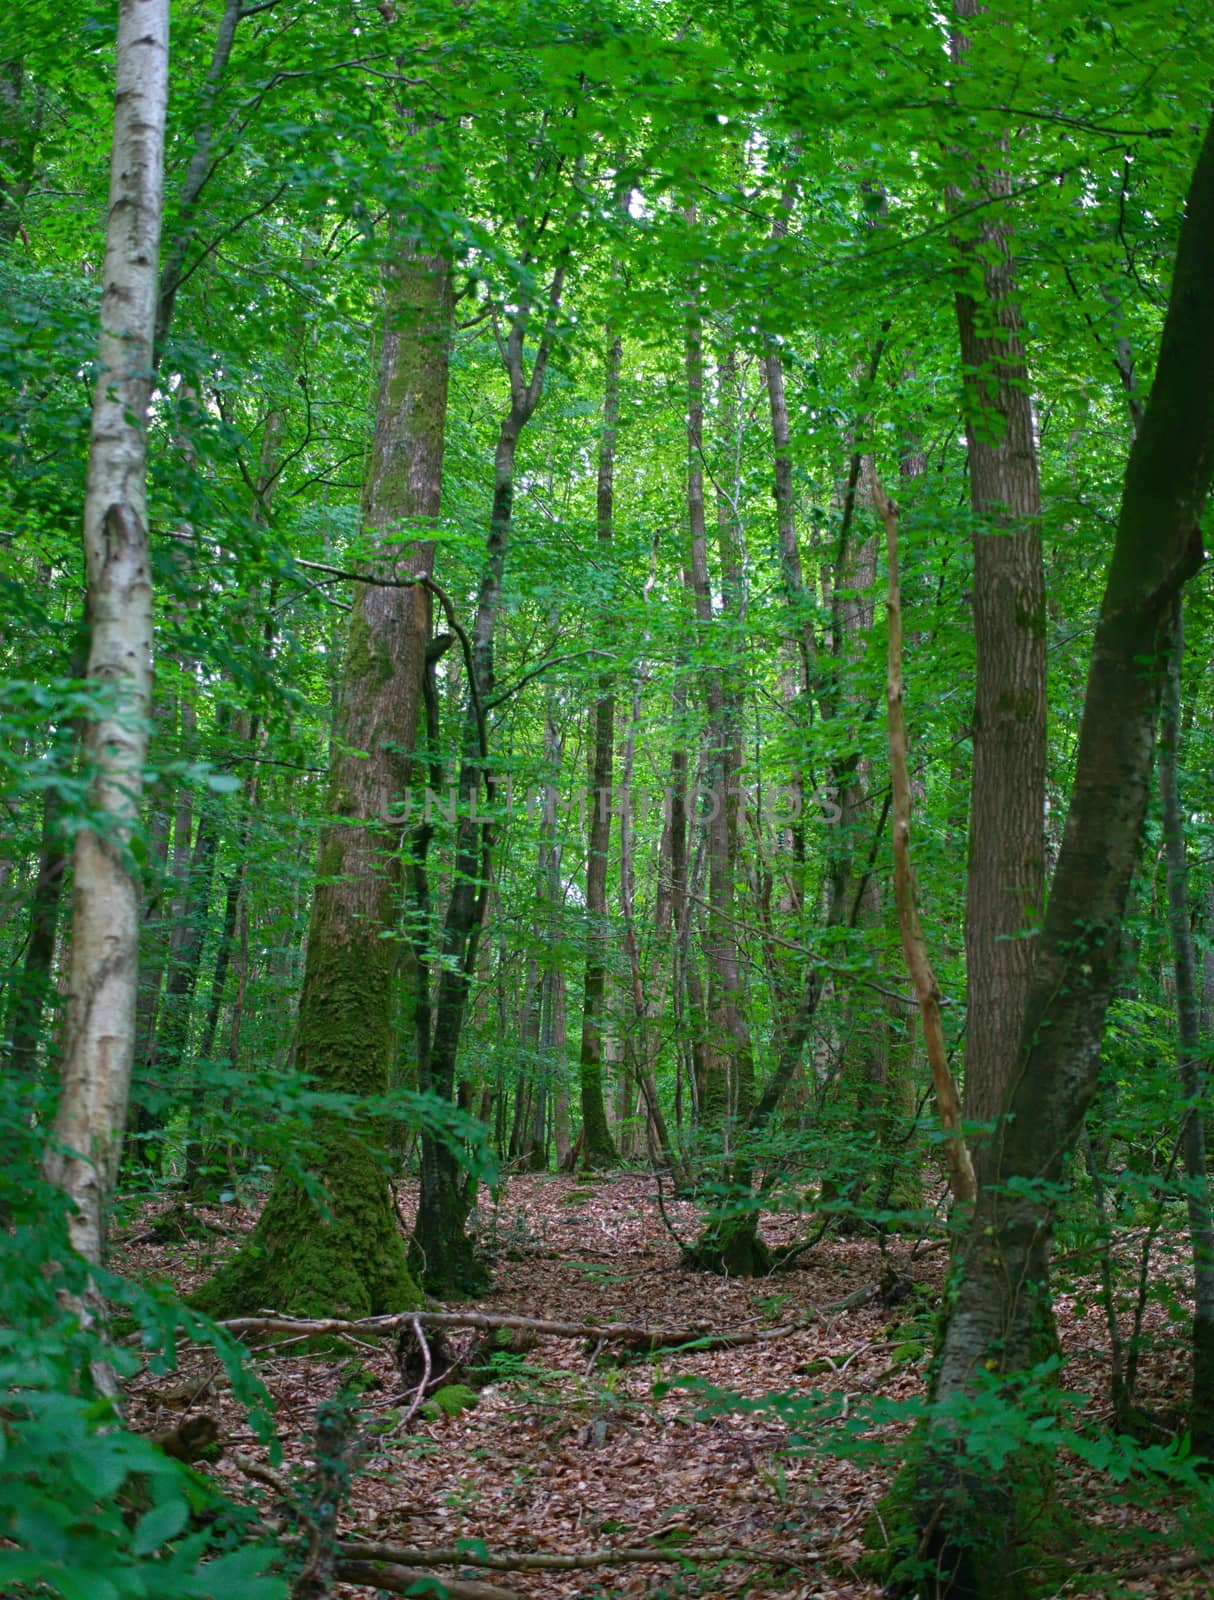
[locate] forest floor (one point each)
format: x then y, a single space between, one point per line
571 1453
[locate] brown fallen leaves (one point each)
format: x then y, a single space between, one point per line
572 1456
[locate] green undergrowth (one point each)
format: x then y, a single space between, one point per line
88 1509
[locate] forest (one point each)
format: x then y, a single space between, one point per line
607 890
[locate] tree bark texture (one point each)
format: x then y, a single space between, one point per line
86 1146
1006 867
348 1253
597 1147
971 1531
1189 1057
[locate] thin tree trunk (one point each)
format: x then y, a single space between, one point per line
197 173
553 1081
22 104
203 1055
641 1043
440 1247
173 1032
164 891
561 1131
23 1022
948 1101
84 1153
729 1062
597 1147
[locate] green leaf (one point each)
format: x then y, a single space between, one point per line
158 1526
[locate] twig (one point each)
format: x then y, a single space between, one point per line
420 580
836 971
669 1226
420 1393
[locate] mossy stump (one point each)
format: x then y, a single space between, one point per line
340 1257
731 1248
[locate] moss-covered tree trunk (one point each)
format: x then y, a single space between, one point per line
341 1253
971 1532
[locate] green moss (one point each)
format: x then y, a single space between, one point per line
912 1350
346 1259
450 1401
731 1247
368 662
346 1036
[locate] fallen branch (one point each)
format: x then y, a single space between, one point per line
403 1580
258 1471
1173 1564
549 1561
631 1335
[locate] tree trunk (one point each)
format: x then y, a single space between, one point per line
642 1042
1190 1057
440 1247
597 1147
561 1132
173 1029
914 945
1006 865
30 992
972 1519
346 1257
729 1074
85 1150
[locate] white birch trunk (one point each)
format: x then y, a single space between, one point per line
83 1157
